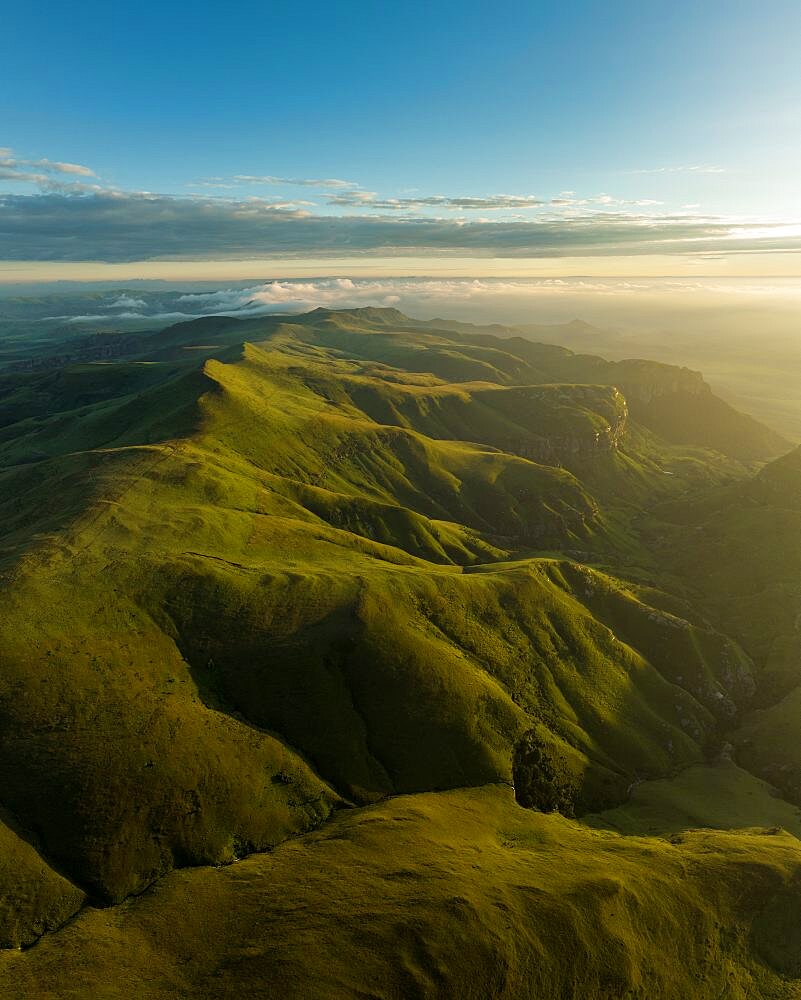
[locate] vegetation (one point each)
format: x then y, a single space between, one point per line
355 589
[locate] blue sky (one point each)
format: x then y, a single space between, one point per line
638 128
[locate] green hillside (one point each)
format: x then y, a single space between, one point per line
456 894
380 597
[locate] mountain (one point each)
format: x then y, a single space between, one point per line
412 608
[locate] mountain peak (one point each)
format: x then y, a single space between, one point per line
383 315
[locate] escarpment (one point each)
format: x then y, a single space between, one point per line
586 440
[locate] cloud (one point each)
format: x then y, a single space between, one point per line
369 199
636 303
567 199
296 295
12 164
119 226
16 173
495 202
64 168
291 296
694 169
323 291
241 179
89 319
75 217
48 175
127 302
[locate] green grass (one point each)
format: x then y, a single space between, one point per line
35 898
456 894
246 588
720 796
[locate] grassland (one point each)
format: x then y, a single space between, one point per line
450 894
327 588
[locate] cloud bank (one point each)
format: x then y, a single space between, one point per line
507 300
76 217
117 227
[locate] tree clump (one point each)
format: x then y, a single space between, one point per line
540 777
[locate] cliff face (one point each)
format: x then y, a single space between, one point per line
598 425
684 410
549 423
675 403
646 381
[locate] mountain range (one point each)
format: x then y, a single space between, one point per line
350 655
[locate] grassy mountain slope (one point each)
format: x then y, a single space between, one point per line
265 571
474 898
744 566
35 898
233 591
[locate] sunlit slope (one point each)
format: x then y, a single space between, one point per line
674 402
717 795
247 599
457 894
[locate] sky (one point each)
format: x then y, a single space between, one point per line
173 140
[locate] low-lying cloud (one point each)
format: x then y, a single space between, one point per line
297 295
506 300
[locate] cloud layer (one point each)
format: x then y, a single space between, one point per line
688 306
118 226
495 202
75 216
